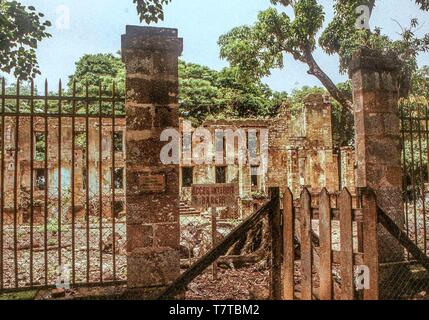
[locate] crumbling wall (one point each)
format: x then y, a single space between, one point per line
55 169
300 154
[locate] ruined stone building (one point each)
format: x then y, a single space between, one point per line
299 147
57 162
301 154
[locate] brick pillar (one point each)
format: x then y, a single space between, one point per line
152 195
378 141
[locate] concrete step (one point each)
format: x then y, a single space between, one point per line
185 209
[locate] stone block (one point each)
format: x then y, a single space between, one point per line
152 209
151 267
152 91
139 236
167 235
166 116
139 62
145 152
139 118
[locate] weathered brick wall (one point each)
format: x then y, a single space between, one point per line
318 121
378 140
152 195
279 146
347 165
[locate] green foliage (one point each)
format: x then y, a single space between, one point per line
51 226
40 147
99 71
298 95
341 37
151 10
98 75
209 94
21 295
21 29
420 83
204 93
343 119
257 49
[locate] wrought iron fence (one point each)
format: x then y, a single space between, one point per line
415 138
62 186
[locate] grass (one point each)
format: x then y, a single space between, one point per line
22 295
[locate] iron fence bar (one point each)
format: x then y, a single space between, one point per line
404 175
46 184
3 85
427 168
31 185
113 185
77 285
73 186
422 185
50 111
57 115
413 179
15 191
100 183
88 262
59 195
57 98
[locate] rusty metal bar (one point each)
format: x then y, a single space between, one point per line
113 185
427 167
57 115
3 85
45 167
413 184
15 190
73 186
100 182
404 173
88 262
32 186
59 195
56 98
422 184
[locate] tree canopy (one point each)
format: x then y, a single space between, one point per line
97 70
204 93
256 50
21 29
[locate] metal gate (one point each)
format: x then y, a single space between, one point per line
415 138
62 182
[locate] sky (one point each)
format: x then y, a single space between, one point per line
95 26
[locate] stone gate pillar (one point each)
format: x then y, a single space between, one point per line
152 188
378 139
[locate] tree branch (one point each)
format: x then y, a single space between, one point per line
315 70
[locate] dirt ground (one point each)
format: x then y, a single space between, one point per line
240 284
